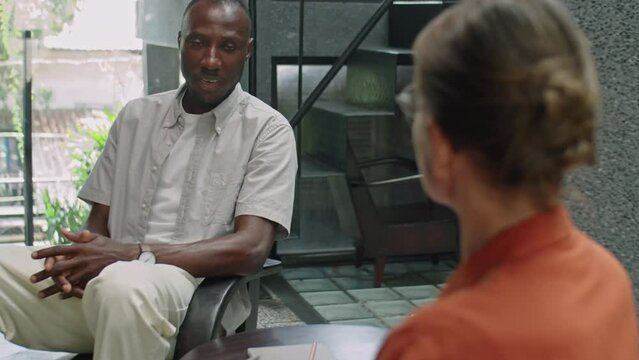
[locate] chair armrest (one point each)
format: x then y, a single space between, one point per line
204 315
386 182
398 161
203 320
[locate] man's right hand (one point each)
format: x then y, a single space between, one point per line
62 284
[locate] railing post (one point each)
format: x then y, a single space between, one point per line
26 128
252 81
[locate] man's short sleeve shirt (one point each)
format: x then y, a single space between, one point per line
243 163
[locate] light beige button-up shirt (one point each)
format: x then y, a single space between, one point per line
243 163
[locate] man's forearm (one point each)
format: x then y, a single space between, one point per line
240 253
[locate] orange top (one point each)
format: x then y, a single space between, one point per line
539 290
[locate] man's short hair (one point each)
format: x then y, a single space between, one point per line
239 3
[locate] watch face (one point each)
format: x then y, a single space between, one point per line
147 257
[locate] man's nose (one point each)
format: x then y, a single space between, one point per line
211 59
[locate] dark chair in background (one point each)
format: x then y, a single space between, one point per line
415 228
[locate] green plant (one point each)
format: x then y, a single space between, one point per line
61 214
72 214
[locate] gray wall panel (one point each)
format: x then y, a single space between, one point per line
605 200
329 27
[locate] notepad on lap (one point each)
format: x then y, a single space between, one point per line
290 352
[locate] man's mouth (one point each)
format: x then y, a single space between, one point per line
210 81
210 84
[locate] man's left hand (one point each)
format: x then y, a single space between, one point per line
75 265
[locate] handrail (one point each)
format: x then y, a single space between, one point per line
350 49
252 81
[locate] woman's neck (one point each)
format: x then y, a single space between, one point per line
484 212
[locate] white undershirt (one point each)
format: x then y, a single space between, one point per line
166 201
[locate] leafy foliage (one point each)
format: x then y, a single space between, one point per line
72 214
53 14
62 214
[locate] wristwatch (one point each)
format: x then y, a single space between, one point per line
146 255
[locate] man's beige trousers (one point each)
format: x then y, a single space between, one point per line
131 310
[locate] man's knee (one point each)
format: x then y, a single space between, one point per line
119 282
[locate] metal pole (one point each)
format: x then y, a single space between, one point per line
253 60
26 128
300 56
323 84
298 131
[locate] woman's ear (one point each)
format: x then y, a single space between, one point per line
440 163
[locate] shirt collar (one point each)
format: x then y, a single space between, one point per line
220 113
225 109
515 243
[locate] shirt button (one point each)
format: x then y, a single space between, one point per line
155 168
143 206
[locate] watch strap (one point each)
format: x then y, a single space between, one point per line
143 248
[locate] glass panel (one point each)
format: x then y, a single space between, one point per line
84 67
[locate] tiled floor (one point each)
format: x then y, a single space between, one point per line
345 294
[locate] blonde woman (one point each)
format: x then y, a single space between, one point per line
505 102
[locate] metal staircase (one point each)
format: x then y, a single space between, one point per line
358 193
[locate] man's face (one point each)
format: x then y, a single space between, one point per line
214 44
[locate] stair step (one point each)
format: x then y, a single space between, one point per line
349 110
408 18
314 168
404 55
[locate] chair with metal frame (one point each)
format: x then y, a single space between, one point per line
203 321
421 227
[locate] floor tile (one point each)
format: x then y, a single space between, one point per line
307 285
303 273
423 302
418 292
435 277
353 283
395 269
390 308
393 321
343 312
408 279
327 298
374 294
347 270
361 322
426 265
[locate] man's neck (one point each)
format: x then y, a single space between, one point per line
196 107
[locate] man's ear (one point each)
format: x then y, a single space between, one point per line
251 46
179 39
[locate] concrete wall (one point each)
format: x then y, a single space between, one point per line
605 200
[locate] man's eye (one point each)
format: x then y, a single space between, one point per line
195 43
229 48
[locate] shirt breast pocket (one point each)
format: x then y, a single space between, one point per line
220 197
